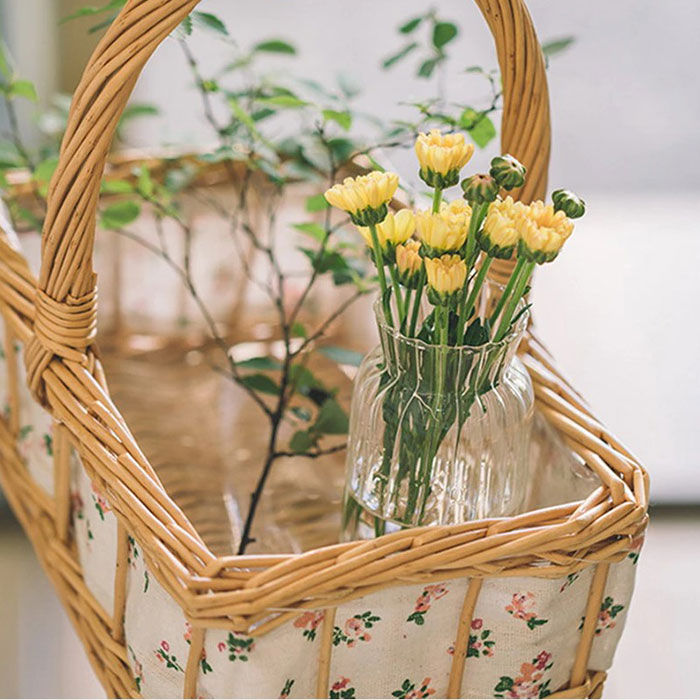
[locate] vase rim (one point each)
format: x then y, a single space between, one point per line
511 336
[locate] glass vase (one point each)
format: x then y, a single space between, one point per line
438 434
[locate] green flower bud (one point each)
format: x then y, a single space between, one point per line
479 189
370 216
508 172
435 179
568 202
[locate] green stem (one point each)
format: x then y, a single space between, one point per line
466 309
513 302
478 213
379 262
416 304
508 290
406 306
437 200
397 293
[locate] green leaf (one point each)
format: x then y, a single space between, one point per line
301 441
260 363
261 383
478 126
555 46
42 174
301 413
444 33
116 187
120 214
342 356
316 231
411 25
5 68
275 46
185 27
145 183
331 419
136 110
205 20
427 67
23 88
344 119
395 58
298 330
91 10
286 101
316 202
348 86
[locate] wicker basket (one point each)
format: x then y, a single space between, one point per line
577 557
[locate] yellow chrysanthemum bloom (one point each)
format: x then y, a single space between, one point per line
446 276
395 229
364 197
409 263
441 157
499 235
542 231
445 232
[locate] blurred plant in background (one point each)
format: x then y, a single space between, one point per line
271 132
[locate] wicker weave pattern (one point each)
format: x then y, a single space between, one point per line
54 318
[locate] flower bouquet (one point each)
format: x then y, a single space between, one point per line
442 409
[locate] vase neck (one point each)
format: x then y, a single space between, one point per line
411 357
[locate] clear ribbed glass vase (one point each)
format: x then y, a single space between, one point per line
438 434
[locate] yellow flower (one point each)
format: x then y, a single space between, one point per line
542 231
446 275
394 230
443 153
364 197
409 262
445 232
500 232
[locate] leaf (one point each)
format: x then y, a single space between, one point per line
395 58
344 119
316 231
317 202
342 356
444 33
427 67
331 419
136 110
261 383
348 86
260 363
145 183
43 172
301 413
297 330
478 126
411 25
23 88
275 46
555 46
185 27
116 187
120 214
301 441
477 334
91 10
5 68
286 101
206 20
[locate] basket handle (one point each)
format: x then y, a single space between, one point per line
65 324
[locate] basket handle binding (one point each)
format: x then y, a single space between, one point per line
66 308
